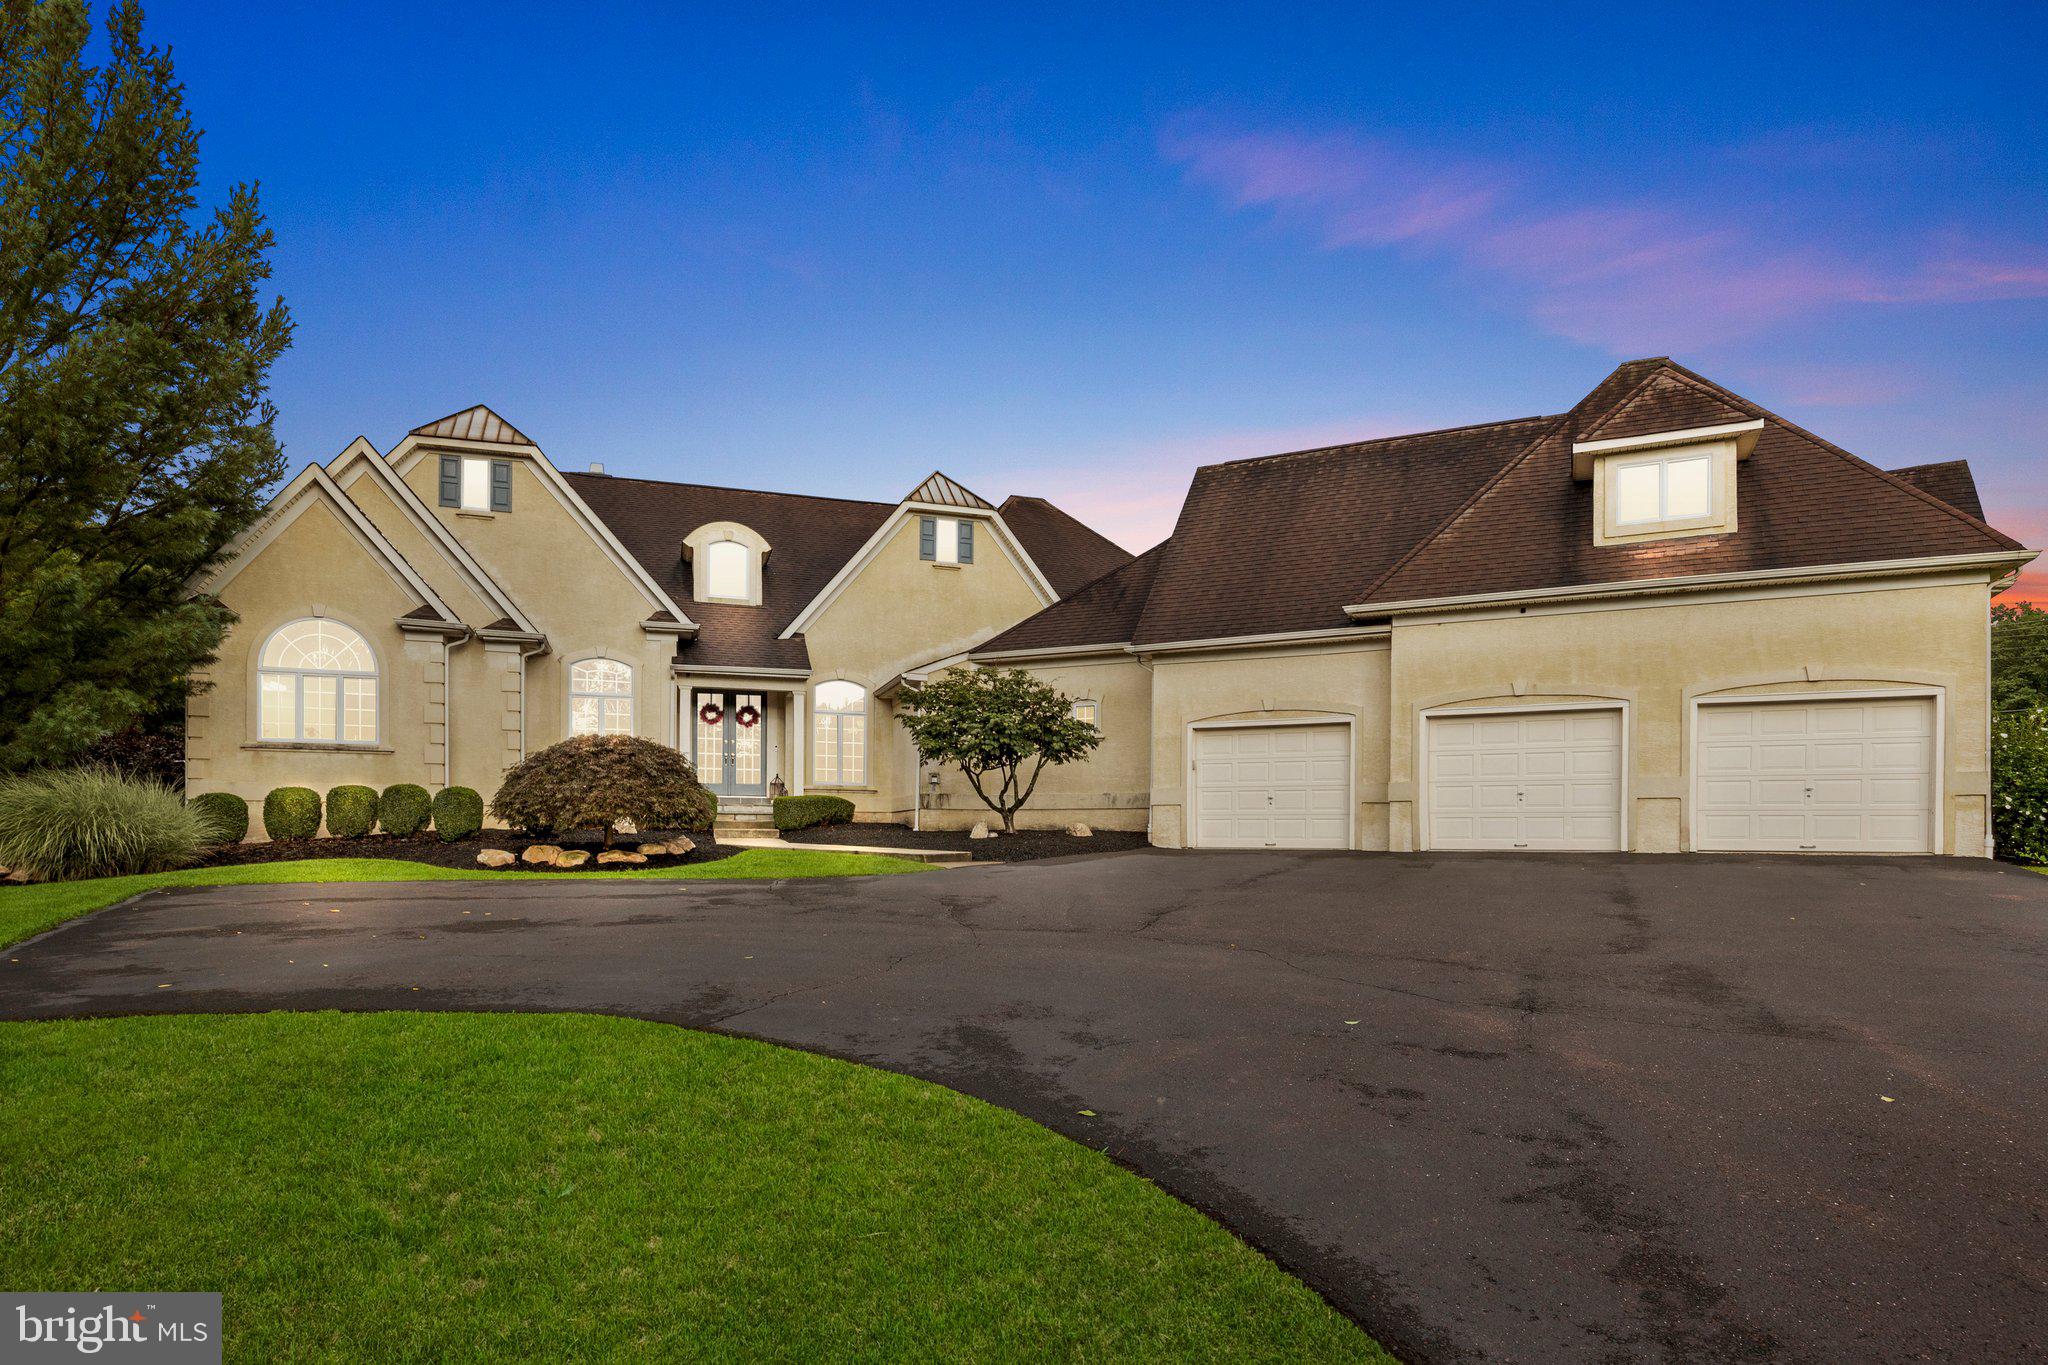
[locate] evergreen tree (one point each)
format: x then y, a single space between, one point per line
135 439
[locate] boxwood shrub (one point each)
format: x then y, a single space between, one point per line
458 813
404 808
801 812
292 813
351 811
225 813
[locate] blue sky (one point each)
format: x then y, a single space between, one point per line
1079 252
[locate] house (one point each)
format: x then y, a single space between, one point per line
1664 620
434 613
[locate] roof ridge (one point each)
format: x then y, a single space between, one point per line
1378 440
723 488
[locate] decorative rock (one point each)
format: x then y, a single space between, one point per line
1080 830
653 850
980 831
543 855
19 874
679 846
614 855
574 857
495 857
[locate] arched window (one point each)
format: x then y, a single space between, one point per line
600 698
317 680
841 735
725 570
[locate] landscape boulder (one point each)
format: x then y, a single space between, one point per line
980 831
680 845
495 857
542 855
614 855
652 850
1080 830
574 857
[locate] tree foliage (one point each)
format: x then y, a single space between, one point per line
2019 784
2019 656
595 781
135 439
1001 727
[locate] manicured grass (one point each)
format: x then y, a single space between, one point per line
570 1188
28 910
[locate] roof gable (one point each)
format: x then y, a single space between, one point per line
477 423
1949 480
1667 400
940 491
1800 502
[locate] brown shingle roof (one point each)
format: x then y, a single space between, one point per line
1949 480
1665 401
1282 543
1065 551
809 539
1800 502
1104 612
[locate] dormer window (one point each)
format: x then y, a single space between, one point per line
727 561
1666 484
1663 489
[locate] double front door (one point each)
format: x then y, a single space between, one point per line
729 751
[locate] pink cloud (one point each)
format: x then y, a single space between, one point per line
1627 274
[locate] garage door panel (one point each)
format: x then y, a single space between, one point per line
1547 780
1835 775
1280 786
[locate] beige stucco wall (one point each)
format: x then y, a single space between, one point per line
899 613
1110 789
425 557
1659 658
315 567
1348 681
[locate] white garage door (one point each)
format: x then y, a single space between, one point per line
1536 779
1273 786
1824 777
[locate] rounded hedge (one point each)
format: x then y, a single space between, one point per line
801 812
594 782
351 811
292 813
404 809
458 813
225 813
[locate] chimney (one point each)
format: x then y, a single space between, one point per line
596 468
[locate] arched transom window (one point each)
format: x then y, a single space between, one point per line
841 735
317 680
600 698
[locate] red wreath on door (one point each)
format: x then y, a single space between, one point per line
710 713
747 717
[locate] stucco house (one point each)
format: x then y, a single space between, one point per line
1663 620
433 613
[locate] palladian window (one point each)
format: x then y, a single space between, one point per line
317 683
840 735
600 698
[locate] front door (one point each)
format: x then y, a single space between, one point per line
728 753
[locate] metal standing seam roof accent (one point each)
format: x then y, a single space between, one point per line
474 424
943 492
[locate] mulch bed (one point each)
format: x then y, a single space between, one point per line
430 848
1022 846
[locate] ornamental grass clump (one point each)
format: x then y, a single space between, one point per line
2019 783
593 782
71 823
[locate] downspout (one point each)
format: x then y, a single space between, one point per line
1151 712
1990 722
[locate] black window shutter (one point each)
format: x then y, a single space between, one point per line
501 485
966 541
927 538
451 481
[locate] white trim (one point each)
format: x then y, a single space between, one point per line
1334 635
1055 652
1690 582
685 670
286 507
1005 538
1702 597
416 511
1625 816
1350 723
413 449
1937 812
1744 434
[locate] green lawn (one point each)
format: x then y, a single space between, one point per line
28 910
571 1188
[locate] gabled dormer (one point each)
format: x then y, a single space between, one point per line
728 563
1662 462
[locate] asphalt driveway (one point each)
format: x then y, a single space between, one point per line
1501 1107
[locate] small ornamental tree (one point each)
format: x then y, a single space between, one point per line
2019 783
595 781
999 726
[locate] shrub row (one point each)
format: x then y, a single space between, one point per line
801 812
351 812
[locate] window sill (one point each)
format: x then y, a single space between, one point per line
956 567
473 512
319 747
828 787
